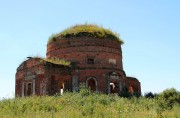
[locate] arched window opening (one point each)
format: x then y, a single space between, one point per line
92 83
114 87
29 89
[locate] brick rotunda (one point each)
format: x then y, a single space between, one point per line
80 54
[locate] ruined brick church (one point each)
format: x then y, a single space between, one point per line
85 53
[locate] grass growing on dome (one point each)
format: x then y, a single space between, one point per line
91 30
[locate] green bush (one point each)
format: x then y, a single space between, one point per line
149 95
168 98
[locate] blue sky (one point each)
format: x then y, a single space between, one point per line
150 30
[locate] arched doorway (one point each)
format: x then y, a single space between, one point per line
114 87
114 83
92 83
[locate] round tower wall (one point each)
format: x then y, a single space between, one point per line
106 53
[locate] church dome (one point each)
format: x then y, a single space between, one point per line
85 53
88 30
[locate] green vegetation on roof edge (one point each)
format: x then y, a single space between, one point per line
57 61
90 30
54 60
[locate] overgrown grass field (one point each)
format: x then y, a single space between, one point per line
92 105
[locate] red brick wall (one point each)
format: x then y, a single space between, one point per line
31 67
79 49
134 83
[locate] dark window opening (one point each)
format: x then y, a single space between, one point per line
29 89
54 85
90 61
92 84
